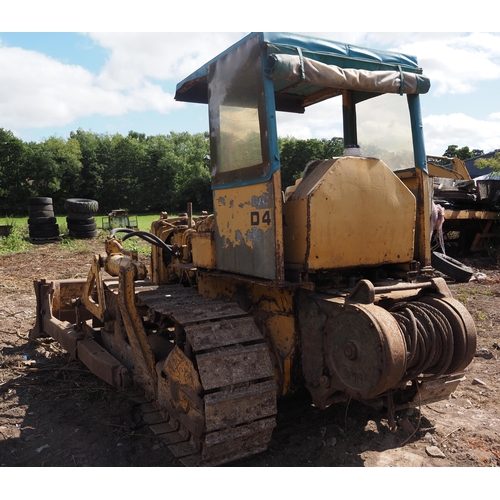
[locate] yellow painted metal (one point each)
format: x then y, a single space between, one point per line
184 382
273 307
349 212
163 229
470 214
134 326
94 287
203 249
249 233
420 184
458 168
63 293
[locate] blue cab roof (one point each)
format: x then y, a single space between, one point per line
194 88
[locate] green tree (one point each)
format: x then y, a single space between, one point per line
192 174
14 181
493 162
295 154
124 173
463 153
95 160
54 169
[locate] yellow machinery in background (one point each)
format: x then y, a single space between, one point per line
325 285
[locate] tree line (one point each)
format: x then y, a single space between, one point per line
143 174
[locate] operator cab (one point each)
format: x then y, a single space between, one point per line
266 73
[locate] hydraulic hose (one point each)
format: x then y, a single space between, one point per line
144 235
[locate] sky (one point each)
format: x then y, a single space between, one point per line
54 81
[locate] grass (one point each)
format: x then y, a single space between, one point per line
143 221
18 240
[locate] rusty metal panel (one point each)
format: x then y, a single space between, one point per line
435 390
246 404
366 350
248 237
222 333
233 365
103 364
203 249
349 212
64 292
64 333
180 391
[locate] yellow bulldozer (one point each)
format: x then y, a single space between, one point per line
325 285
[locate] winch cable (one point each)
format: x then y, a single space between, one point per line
144 235
429 339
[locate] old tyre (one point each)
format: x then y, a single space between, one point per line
451 267
81 206
80 221
40 200
44 231
86 218
44 227
41 220
48 207
34 214
80 235
82 227
45 235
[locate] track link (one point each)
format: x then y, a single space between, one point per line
216 394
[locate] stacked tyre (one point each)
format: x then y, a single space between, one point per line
42 222
80 219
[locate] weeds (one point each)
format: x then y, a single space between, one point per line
137 245
74 245
16 241
480 315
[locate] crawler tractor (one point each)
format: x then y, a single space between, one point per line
324 285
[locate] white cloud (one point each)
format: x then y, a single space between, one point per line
442 130
134 57
142 68
456 63
38 91
321 121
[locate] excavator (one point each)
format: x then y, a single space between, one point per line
325 286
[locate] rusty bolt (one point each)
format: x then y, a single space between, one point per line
350 350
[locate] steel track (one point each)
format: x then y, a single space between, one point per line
232 413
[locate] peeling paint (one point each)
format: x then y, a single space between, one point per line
255 235
260 201
246 230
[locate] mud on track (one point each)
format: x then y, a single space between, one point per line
53 412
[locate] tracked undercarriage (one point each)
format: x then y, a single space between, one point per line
325 285
208 374
204 376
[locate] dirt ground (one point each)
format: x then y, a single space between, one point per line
53 412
